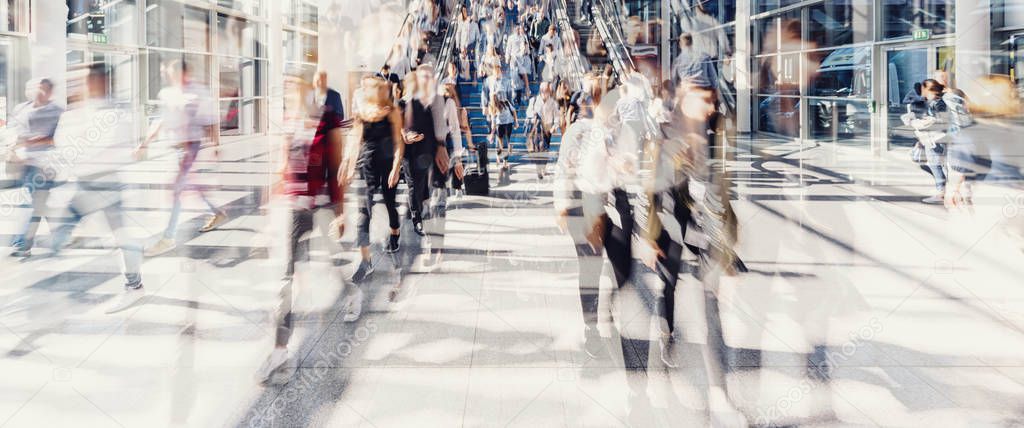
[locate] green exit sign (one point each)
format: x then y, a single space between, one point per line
922 34
98 37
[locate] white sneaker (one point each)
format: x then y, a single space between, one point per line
937 199
277 359
353 306
126 300
160 247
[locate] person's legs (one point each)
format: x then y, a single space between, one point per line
366 207
38 187
420 186
437 213
301 225
131 250
186 157
390 195
618 239
935 164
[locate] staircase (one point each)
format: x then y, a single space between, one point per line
469 95
586 31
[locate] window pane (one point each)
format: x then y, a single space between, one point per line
768 5
902 17
170 24
300 47
114 21
301 13
838 22
238 37
780 115
840 120
844 72
13 14
251 7
779 75
240 77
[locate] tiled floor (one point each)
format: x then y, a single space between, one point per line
919 309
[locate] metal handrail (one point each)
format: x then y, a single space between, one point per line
398 37
576 59
445 56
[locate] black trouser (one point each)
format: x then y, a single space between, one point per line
669 266
375 173
417 176
437 209
481 156
618 239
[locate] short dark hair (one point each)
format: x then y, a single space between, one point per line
686 39
47 83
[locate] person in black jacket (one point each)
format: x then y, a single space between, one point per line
426 152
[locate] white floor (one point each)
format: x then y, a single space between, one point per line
920 310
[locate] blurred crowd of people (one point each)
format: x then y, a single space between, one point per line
634 163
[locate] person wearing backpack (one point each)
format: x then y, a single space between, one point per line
502 116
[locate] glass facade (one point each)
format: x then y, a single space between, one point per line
224 42
812 66
14 24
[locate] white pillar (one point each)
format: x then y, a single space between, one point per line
48 42
741 59
275 68
973 56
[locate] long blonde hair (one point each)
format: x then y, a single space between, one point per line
375 102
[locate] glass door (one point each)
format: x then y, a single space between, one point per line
906 67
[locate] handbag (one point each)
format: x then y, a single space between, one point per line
475 180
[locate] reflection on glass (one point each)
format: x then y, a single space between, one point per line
840 120
114 21
198 64
839 22
172 25
902 17
300 47
251 7
13 15
238 37
779 115
301 13
844 72
240 77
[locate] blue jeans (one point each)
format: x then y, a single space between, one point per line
186 157
935 161
106 199
38 186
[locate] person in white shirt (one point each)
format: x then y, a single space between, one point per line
551 39
188 115
544 110
99 137
517 54
467 33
